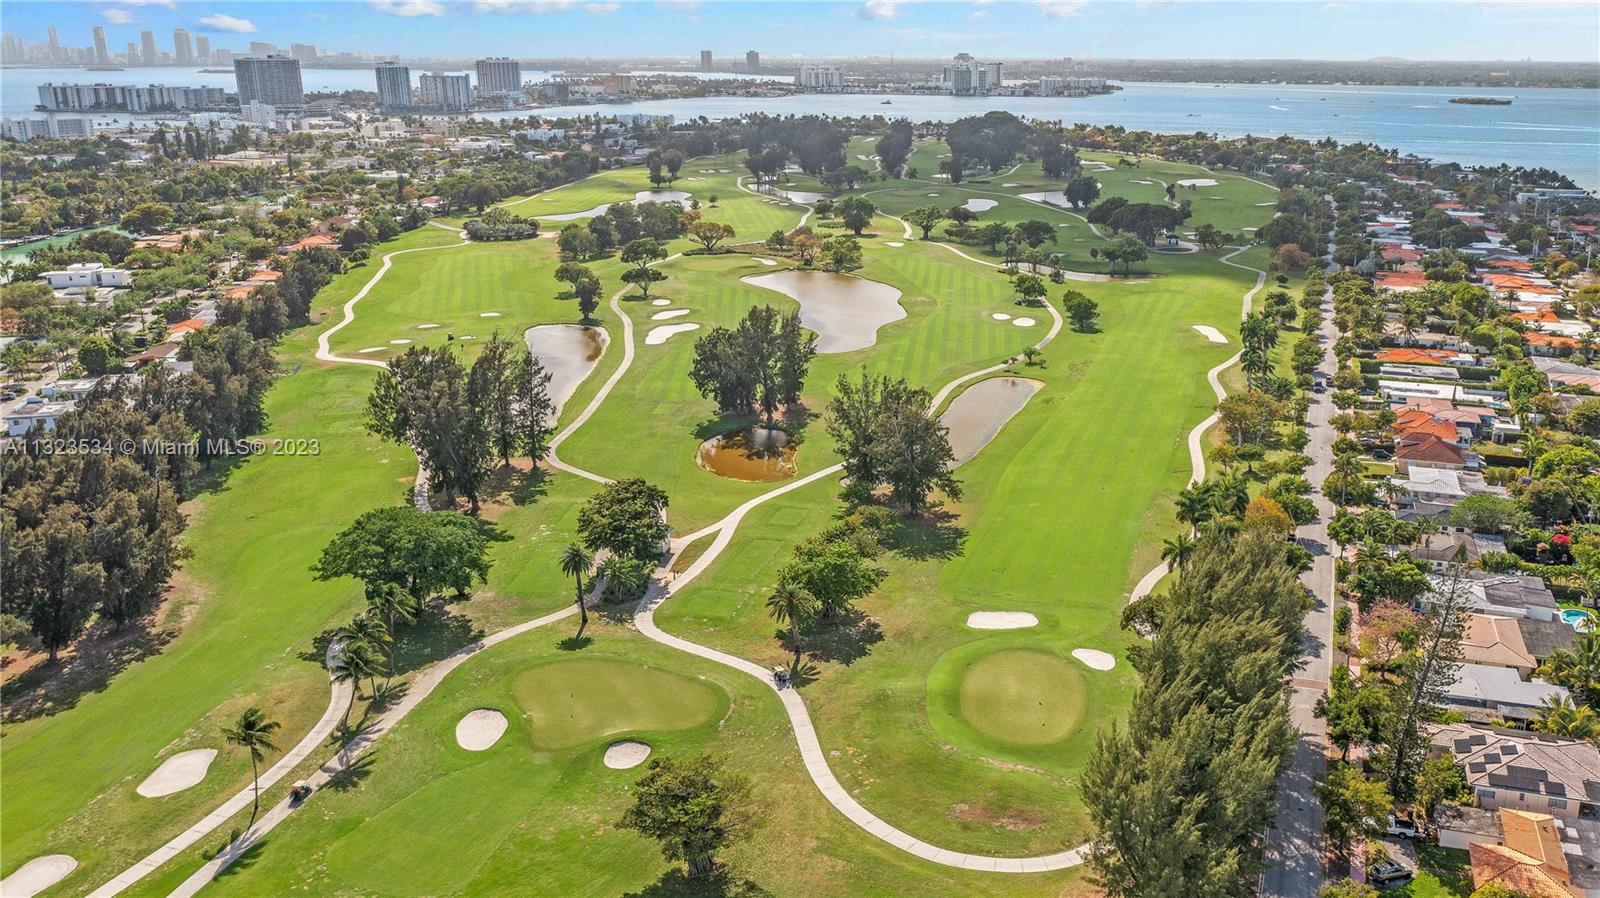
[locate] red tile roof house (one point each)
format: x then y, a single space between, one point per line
1549 344
1428 451
1401 281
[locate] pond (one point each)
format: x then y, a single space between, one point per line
754 453
845 311
976 416
568 352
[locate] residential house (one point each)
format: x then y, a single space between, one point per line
1488 693
1502 595
1430 450
1439 549
1496 642
1431 492
1530 860
88 274
39 414
1544 637
1523 770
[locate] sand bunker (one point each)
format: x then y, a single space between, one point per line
754 454
669 314
764 261
977 205
894 243
400 342
845 311
1198 182
1097 166
1095 658
568 352
1210 333
1266 204
1000 316
182 771
933 194
1010 184
659 335
1137 181
37 875
625 754
488 314
976 416
661 302
373 349
424 327
480 729
1024 322
1001 620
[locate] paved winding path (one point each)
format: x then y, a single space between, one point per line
644 619
1197 451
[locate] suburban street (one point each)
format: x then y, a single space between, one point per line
1294 846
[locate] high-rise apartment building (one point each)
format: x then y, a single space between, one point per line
499 75
133 53
446 93
306 53
826 78
705 60
262 48
182 49
272 80
147 48
967 77
102 55
752 61
394 87
54 44
202 49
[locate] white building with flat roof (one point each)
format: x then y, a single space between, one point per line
828 79
88 274
39 414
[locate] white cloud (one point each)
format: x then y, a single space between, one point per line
680 5
117 16
224 22
169 4
1060 8
601 9
408 8
533 6
880 9
977 15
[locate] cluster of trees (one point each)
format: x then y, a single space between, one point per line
621 224
269 309
1081 310
829 573
498 224
886 432
628 522
759 365
894 147
841 252
1143 220
990 141
95 533
1209 719
664 165
403 557
459 421
583 285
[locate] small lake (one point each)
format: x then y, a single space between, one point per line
755 453
976 416
844 310
643 196
568 353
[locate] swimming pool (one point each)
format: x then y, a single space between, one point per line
1578 619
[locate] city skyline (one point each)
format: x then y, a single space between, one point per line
1434 31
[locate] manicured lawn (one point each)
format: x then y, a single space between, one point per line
937 728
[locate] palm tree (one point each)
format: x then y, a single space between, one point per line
1347 468
1560 717
791 604
1176 551
1577 668
253 731
575 563
394 604
368 629
1194 505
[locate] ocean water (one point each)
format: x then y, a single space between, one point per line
1543 127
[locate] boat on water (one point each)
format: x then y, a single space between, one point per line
887 103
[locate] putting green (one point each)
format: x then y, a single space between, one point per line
572 702
1023 697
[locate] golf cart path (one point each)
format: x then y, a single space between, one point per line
1197 452
429 678
338 700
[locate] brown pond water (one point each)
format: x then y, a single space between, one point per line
845 311
752 453
569 352
976 416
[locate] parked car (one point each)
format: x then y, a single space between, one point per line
1382 454
1404 829
1318 388
1387 872
7 397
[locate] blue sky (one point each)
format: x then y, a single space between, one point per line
1305 29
